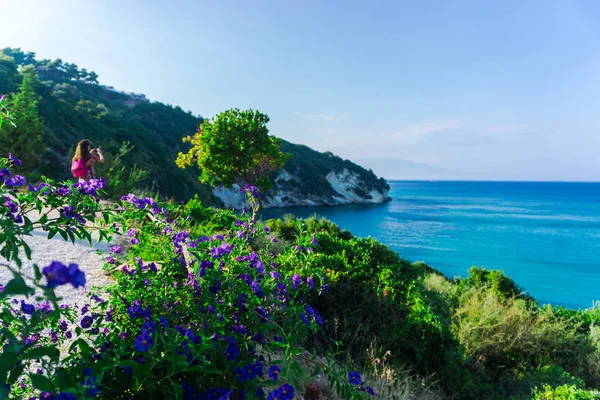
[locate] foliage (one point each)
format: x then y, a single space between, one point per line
565 392
25 135
120 179
220 319
234 147
74 108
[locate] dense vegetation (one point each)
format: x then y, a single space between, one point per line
210 304
73 106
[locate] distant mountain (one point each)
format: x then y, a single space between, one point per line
398 168
74 106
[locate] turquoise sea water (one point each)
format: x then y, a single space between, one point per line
545 235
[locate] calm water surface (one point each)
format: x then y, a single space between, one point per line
544 235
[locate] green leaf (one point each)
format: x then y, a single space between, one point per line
53 232
44 351
36 270
84 348
16 286
41 382
316 371
27 249
63 234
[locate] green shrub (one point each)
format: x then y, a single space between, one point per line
564 392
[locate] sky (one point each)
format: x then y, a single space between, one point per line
505 90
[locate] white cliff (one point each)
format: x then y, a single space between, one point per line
347 188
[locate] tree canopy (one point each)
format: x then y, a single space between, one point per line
24 136
235 147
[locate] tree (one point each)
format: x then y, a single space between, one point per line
83 74
235 147
92 77
24 137
20 57
121 179
9 76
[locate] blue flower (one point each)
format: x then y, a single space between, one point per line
15 181
76 276
370 391
287 392
354 378
164 322
86 322
310 282
314 241
274 372
56 273
296 281
245 373
232 352
305 319
257 290
143 342
27 308
15 161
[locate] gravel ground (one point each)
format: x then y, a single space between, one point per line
44 251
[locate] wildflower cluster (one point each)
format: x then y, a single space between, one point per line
191 314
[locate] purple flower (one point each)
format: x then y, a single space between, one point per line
354 378
370 391
266 229
27 308
143 342
298 248
245 373
69 212
296 281
76 276
69 334
116 249
232 352
86 322
131 232
110 260
304 319
310 282
56 273
135 241
257 290
273 239
15 181
253 190
12 207
314 241
287 392
274 372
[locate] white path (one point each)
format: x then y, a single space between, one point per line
44 251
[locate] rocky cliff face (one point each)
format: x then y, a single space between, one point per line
346 186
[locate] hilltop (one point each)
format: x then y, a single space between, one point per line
74 105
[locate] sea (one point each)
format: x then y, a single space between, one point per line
544 235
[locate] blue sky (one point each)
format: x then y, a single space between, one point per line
478 89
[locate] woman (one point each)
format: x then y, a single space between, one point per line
84 159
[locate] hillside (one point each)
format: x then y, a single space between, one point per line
74 106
